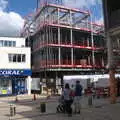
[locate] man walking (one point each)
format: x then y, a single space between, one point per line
78 94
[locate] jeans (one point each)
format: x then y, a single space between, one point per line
68 106
77 103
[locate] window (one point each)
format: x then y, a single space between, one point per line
10 43
1 43
19 58
14 43
5 43
10 57
16 57
23 58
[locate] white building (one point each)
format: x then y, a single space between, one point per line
15 66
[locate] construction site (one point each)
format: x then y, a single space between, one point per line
64 41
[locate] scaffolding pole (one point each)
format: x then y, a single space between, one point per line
92 40
59 49
71 38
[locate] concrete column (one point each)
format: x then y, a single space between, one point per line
29 80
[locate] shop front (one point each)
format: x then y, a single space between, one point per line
14 82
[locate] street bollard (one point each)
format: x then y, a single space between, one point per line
12 111
43 107
90 100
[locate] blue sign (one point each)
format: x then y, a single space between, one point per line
15 72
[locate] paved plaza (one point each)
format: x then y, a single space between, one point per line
27 109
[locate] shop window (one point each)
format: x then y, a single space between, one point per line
5 86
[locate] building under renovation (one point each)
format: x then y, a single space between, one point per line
64 41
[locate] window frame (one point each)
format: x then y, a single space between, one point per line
13 58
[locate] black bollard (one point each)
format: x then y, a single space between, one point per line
90 101
43 107
14 110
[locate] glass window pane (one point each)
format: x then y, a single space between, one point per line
5 43
14 58
10 43
10 57
19 58
14 43
23 58
1 43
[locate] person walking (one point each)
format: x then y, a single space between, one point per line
67 99
78 94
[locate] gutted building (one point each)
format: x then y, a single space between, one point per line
64 41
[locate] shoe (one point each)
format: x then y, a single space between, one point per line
78 112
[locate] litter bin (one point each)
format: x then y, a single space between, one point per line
43 107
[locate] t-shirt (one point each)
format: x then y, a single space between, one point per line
66 94
78 90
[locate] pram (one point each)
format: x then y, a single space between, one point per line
61 107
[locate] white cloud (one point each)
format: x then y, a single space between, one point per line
3 4
10 22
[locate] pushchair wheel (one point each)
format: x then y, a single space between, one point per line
60 109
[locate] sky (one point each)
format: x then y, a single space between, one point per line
12 13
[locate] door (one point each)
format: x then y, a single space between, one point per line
18 86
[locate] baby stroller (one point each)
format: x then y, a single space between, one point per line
61 107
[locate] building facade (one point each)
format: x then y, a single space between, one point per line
64 41
112 30
15 66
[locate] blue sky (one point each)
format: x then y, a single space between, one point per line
22 7
12 13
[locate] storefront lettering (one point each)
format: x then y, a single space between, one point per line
10 72
15 72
